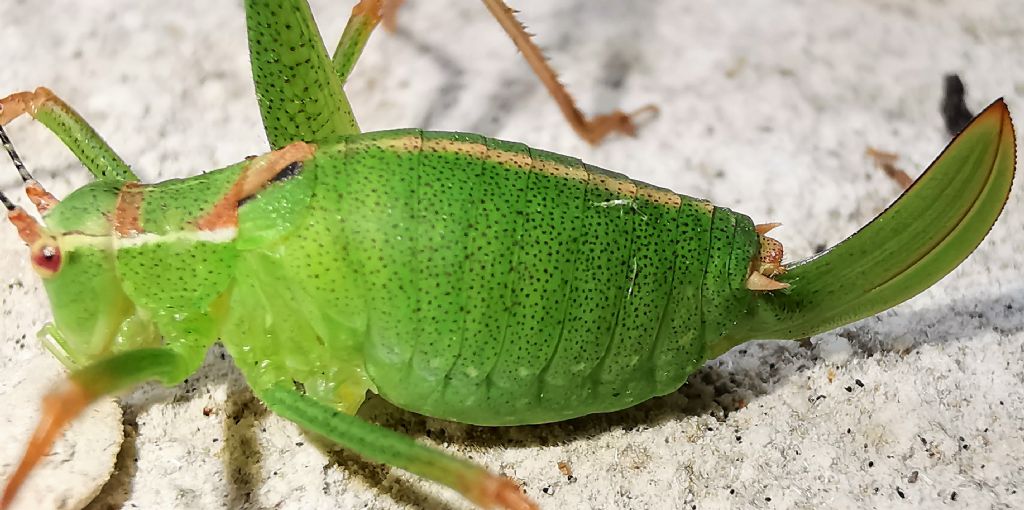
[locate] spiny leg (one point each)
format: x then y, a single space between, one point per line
112 375
43 105
389 447
365 16
594 129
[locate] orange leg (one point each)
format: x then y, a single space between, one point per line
593 129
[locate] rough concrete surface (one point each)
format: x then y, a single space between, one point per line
766 107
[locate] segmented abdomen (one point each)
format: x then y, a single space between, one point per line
510 285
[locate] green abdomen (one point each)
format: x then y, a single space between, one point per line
507 285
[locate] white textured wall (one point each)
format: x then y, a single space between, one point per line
767 107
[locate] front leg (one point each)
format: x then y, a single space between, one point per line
112 375
43 105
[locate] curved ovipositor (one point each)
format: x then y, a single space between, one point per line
920 238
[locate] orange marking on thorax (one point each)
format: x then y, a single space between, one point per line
258 172
225 212
127 221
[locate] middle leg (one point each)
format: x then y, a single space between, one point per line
365 17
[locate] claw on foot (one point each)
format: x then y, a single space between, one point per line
595 130
493 491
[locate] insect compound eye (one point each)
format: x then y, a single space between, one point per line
46 257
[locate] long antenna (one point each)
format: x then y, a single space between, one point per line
17 163
7 202
28 228
9 147
42 199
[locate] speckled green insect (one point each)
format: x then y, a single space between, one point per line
457 276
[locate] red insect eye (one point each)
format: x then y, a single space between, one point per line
46 258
